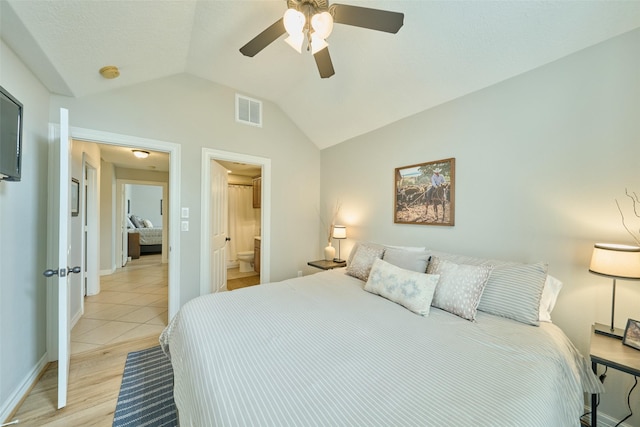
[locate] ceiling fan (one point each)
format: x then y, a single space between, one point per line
312 20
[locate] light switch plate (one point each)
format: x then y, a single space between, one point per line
184 225
185 212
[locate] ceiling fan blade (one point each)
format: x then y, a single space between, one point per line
323 61
373 19
264 39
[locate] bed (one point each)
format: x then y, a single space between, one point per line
332 349
150 237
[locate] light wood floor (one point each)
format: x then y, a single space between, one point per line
128 315
96 373
94 383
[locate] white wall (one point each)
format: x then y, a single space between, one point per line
196 113
145 202
540 159
23 235
108 263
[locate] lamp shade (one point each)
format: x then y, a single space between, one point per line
339 232
618 261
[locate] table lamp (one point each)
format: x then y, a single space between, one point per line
617 262
339 233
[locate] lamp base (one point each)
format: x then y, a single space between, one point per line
338 260
601 329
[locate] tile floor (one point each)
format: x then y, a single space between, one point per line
132 304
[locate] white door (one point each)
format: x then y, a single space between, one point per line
218 229
123 228
59 247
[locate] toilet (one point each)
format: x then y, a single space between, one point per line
245 259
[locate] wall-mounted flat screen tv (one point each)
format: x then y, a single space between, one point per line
10 137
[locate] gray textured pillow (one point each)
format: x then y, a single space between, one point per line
460 286
362 261
514 291
137 221
407 259
410 289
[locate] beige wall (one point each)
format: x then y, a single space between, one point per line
23 238
196 113
540 159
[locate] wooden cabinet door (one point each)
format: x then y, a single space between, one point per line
256 256
257 192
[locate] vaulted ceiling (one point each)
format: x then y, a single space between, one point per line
445 49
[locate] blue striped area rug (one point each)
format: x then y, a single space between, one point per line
146 393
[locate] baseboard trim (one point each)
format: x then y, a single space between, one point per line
10 407
604 420
75 319
107 272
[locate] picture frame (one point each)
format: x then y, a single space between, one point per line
424 193
75 197
631 336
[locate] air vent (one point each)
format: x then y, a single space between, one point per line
248 111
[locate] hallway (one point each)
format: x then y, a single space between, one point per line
132 304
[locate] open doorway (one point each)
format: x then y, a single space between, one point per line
172 150
212 161
132 301
244 197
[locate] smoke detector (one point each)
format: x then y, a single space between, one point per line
109 72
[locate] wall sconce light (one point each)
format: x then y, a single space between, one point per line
617 262
141 154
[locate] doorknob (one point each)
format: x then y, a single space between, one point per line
49 273
228 239
62 272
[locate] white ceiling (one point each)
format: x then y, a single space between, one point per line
445 49
122 157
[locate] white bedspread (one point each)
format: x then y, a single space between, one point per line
149 236
320 351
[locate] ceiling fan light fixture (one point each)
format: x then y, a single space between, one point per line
322 24
295 41
294 25
293 21
141 154
317 43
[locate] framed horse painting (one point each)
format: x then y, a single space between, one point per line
424 193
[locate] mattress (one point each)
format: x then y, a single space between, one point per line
149 236
321 351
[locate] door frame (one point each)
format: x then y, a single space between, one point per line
90 219
121 183
174 150
209 154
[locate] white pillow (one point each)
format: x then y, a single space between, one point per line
515 291
550 292
408 288
147 223
407 259
362 261
460 286
408 248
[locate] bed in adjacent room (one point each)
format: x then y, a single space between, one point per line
381 343
149 236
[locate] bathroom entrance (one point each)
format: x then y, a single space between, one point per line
244 224
236 216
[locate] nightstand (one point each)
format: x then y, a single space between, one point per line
326 265
611 352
